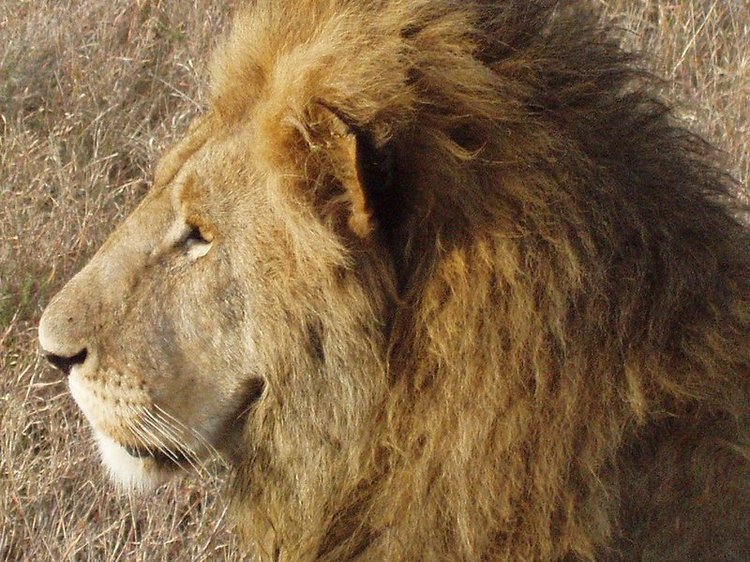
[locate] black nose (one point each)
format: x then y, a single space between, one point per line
65 364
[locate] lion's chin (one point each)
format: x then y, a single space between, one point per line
129 473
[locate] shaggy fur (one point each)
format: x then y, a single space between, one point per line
501 309
567 361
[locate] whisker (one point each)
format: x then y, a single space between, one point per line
174 429
178 424
159 436
168 433
151 437
141 435
192 456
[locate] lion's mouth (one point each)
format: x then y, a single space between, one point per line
176 457
164 457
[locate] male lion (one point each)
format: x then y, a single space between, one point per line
444 280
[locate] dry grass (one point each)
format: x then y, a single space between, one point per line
90 92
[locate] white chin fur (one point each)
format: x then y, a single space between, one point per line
130 474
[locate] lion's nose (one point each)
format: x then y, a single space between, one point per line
65 364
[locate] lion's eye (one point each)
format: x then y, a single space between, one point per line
195 241
193 237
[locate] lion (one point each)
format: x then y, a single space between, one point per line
442 281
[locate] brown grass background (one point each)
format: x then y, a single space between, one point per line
91 91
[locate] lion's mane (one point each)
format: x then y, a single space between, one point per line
556 361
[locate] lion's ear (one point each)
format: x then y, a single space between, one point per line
364 169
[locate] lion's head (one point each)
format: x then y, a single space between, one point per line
411 274
221 297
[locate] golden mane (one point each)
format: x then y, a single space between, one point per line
565 342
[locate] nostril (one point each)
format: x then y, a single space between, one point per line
65 364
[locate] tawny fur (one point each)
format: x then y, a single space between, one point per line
566 366
496 293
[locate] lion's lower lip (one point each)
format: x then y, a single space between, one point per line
161 456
